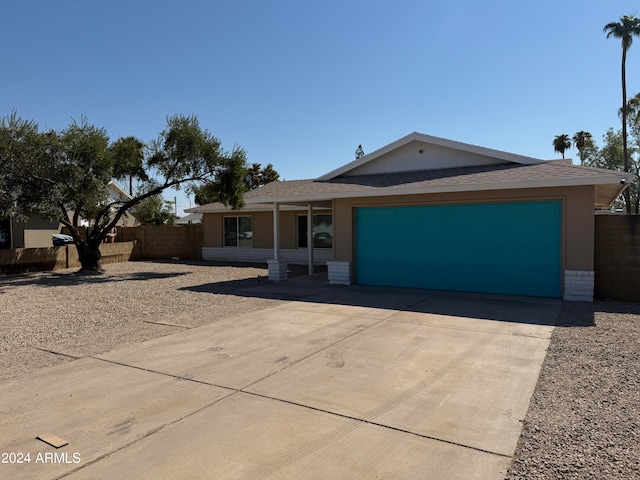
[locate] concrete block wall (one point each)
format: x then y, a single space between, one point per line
617 257
22 260
184 242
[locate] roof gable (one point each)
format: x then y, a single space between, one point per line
117 193
418 151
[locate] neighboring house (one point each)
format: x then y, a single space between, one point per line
116 193
32 233
36 232
426 212
190 219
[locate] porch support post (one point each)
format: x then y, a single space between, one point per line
276 231
310 237
277 267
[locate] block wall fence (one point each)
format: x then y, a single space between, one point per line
617 257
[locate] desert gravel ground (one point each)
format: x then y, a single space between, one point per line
584 417
48 318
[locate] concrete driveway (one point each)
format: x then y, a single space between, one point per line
352 382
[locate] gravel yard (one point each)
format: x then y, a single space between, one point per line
48 318
584 417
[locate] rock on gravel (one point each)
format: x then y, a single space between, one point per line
584 418
50 317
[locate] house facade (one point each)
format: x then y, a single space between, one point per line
426 212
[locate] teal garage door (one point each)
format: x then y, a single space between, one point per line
508 248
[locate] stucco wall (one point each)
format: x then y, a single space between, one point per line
578 221
408 158
262 228
34 233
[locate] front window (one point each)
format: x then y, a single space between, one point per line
322 230
238 232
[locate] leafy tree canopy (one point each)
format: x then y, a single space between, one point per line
611 157
252 177
63 175
154 210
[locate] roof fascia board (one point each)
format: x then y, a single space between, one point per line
289 208
443 142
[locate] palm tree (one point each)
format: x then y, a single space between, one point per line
580 139
633 108
561 143
627 28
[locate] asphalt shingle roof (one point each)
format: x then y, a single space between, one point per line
487 177
499 175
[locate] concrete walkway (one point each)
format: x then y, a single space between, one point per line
353 382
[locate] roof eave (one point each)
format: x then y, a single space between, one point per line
393 191
248 209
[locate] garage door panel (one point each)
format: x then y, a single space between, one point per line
494 248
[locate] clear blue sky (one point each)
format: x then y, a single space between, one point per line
301 84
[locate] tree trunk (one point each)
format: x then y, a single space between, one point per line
89 256
627 197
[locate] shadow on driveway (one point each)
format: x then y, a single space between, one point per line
316 289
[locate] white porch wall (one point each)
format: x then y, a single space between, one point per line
295 256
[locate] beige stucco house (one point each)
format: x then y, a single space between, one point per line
426 212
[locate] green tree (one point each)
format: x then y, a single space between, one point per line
589 152
611 157
252 178
580 140
561 143
18 138
627 28
128 155
68 171
154 210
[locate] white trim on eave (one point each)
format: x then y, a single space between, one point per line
119 190
442 142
